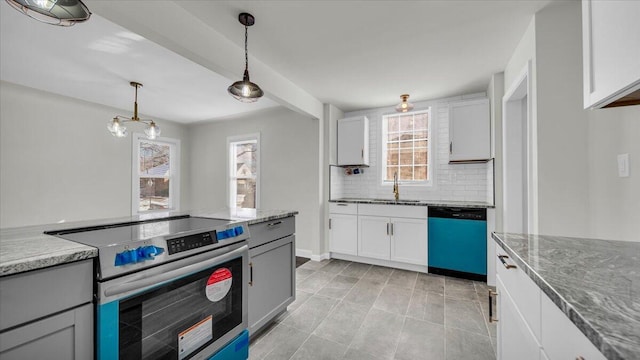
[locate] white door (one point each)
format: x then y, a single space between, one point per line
409 240
515 338
343 234
374 237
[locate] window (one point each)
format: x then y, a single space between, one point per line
244 169
406 147
155 174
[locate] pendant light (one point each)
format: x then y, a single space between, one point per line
245 91
117 129
405 105
54 12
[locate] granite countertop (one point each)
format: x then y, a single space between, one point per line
451 203
28 248
596 283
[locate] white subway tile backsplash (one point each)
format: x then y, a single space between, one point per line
459 182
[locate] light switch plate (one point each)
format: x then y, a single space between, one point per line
623 165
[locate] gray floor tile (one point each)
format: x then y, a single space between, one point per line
303 273
364 292
417 304
314 265
403 278
335 266
356 270
315 281
465 315
301 297
484 305
316 348
310 314
342 323
465 345
460 289
393 299
378 273
335 293
338 287
435 308
353 354
420 340
379 334
280 343
431 283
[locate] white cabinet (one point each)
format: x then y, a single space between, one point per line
353 141
611 52
385 232
530 325
343 228
469 130
515 338
556 325
374 237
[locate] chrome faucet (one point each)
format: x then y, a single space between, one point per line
396 190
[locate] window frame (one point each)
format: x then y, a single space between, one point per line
174 173
231 200
430 148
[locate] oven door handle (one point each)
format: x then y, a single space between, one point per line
173 274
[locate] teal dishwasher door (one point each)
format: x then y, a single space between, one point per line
458 245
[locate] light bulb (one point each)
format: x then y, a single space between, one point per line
246 90
116 129
404 105
152 131
43 4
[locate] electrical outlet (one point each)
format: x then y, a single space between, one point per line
623 165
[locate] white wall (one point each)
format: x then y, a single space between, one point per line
614 202
59 162
464 182
289 166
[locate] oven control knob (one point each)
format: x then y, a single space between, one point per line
148 252
239 230
126 257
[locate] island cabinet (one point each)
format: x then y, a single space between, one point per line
272 265
393 232
611 53
47 313
343 228
529 324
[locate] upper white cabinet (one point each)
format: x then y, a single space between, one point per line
469 131
353 141
611 53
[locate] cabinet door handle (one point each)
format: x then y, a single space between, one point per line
329 224
451 147
387 228
362 153
274 224
491 294
251 274
391 229
504 262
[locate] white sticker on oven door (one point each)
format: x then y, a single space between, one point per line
194 337
219 284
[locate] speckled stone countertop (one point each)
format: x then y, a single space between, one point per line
596 283
28 248
465 204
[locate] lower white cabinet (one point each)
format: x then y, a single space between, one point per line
343 234
530 325
396 239
515 338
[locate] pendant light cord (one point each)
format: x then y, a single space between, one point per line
246 51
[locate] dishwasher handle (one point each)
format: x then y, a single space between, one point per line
479 214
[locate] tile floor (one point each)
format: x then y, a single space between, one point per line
347 310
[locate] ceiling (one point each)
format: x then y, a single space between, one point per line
353 54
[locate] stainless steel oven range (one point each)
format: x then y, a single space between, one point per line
174 288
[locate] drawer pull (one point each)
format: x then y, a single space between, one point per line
504 262
274 224
579 358
342 204
491 294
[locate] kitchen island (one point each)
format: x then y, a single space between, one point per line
594 283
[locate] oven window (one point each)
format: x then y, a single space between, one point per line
182 317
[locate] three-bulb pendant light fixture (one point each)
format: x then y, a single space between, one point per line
404 105
54 12
245 91
117 128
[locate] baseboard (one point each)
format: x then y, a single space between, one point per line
320 257
304 253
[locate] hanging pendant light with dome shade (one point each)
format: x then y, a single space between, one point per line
245 91
405 105
117 129
54 12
